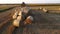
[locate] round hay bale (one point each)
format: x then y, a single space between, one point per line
28 20
45 10
16 23
25 10
40 8
15 15
19 18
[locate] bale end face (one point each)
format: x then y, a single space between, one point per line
16 23
29 20
45 10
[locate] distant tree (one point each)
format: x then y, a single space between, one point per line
23 4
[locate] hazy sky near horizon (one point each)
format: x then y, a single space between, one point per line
29 1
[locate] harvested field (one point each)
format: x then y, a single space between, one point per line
44 23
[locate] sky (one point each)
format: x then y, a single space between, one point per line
28 1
